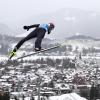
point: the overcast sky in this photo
(15, 10)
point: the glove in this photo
(26, 27)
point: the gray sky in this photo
(15, 10)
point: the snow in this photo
(27, 98)
(2, 69)
(18, 93)
(77, 33)
(52, 57)
(12, 71)
(34, 57)
(2, 58)
(70, 96)
(5, 76)
(78, 44)
(0, 46)
(5, 84)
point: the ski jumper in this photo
(39, 33)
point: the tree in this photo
(50, 62)
(66, 63)
(70, 48)
(76, 49)
(58, 61)
(84, 51)
(51, 84)
(92, 50)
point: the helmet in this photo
(51, 25)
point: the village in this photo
(70, 69)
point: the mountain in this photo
(82, 41)
(69, 21)
(82, 37)
(4, 29)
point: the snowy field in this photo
(70, 96)
(3, 58)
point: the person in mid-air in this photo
(38, 32)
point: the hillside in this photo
(6, 30)
(7, 43)
(84, 37)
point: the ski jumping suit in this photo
(39, 33)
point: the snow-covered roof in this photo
(70, 96)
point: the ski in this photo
(39, 52)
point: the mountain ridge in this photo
(85, 37)
(69, 21)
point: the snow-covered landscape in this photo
(70, 71)
(71, 68)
